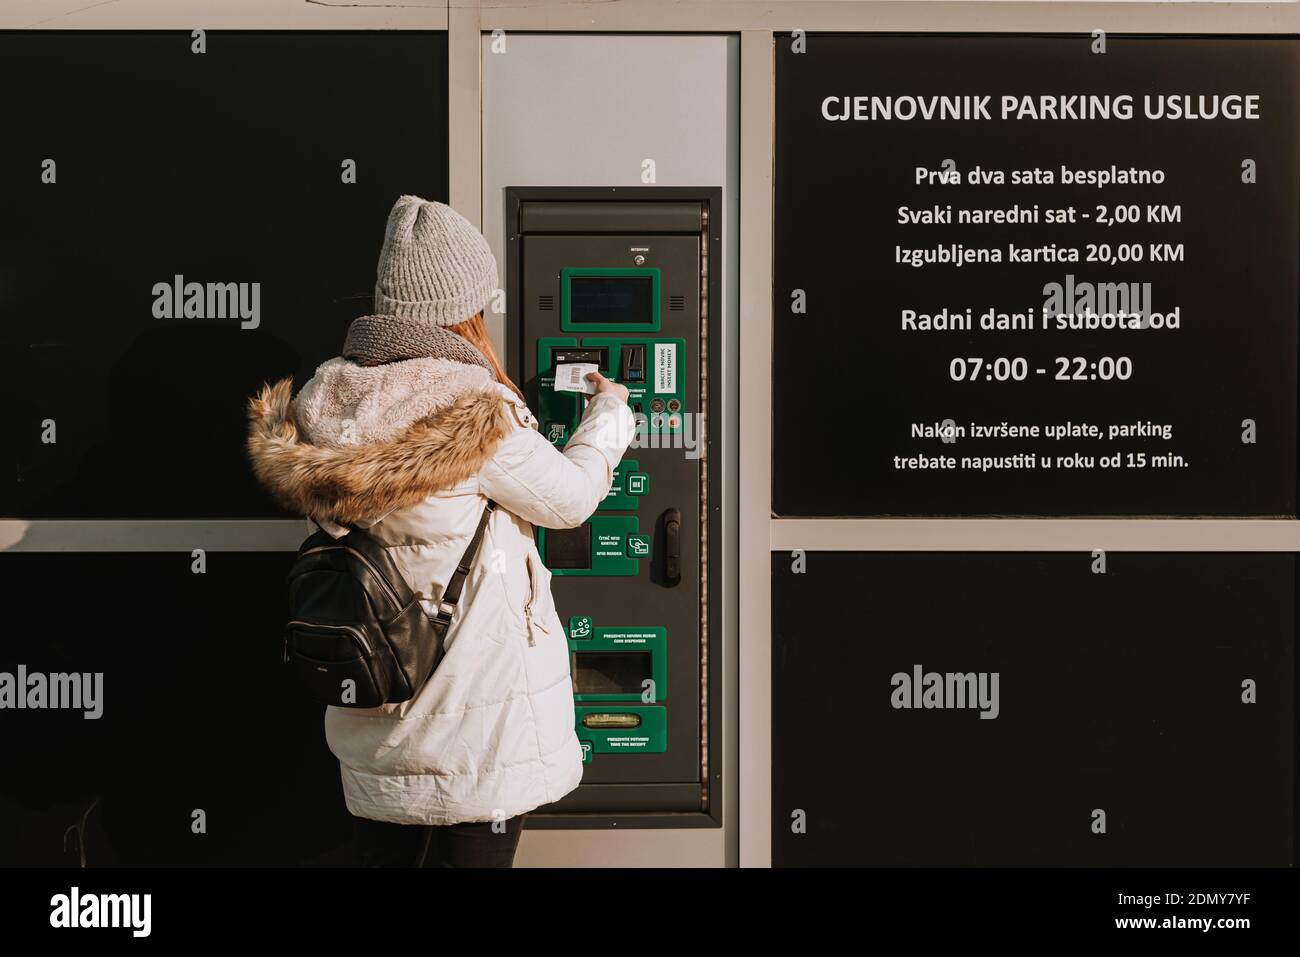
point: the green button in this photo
(556, 431)
(580, 626)
(638, 545)
(638, 483)
(587, 750)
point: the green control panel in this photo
(613, 665)
(602, 545)
(620, 729)
(650, 368)
(629, 485)
(618, 664)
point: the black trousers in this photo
(383, 844)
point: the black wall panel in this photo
(197, 714)
(220, 167)
(1119, 691)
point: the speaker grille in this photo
(676, 303)
(546, 303)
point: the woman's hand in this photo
(607, 387)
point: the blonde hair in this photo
(474, 331)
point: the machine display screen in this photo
(611, 300)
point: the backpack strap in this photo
(451, 594)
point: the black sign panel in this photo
(177, 227)
(1024, 709)
(1023, 275)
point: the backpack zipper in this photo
(365, 561)
(348, 628)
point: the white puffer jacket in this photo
(413, 450)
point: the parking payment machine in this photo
(626, 280)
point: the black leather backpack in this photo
(357, 634)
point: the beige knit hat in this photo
(435, 266)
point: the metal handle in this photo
(672, 520)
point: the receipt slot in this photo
(628, 281)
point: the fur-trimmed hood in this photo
(346, 475)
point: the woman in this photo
(408, 434)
